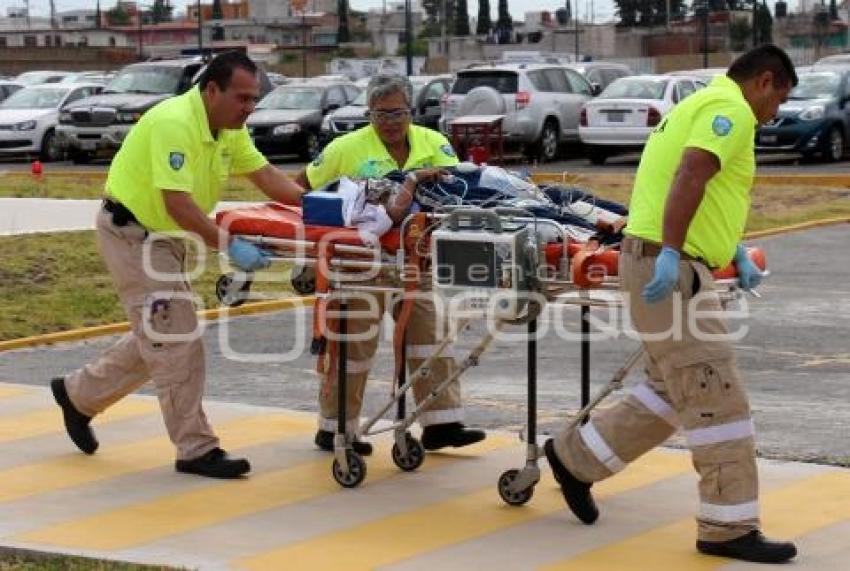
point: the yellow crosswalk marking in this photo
(77, 469)
(423, 530)
(49, 420)
(148, 521)
(12, 391)
(788, 512)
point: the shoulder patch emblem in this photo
(448, 151)
(318, 160)
(176, 160)
(721, 126)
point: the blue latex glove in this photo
(246, 256)
(749, 275)
(665, 278)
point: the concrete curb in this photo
(115, 328)
(796, 228)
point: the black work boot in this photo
(325, 441)
(214, 464)
(750, 547)
(455, 434)
(576, 493)
(76, 423)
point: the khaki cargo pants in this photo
(424, 333)
(693, 384)
(163, 345)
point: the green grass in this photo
(82, 185)
(19, 560)
(57, 282)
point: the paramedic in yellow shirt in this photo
(164, 182)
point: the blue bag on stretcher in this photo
(335, 205)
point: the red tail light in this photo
(653, 117)
(583, 117)
(523, 98)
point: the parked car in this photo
(602, 73)
(837, 59)
(102, 77)
(7, 88)
(288, 119)
(706, 74)
(540, 103)
(428, 90)
(622, 117)
(816, 118)
(28, 118)
(99, 124)
(36, 77)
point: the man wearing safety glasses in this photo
(390, 143)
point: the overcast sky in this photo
(601, 9)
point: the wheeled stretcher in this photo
(520, 275)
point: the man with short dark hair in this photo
(687, 215)
(162, 185)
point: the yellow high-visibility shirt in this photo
(172, 148)
(719, 120)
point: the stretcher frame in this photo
(515, 486)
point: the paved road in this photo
(795, 359)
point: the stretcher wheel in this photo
(513, 498)
(356, 470)
(303, 279)
(414, 457)
(232, 290)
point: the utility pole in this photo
(408, 35)
(443, 25)
(705, 34)
(755, 22)
(200, 32)
(575, 16)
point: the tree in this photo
(764, 25)
(646, 13)
(342, 34)
(833, 10)
(217, 12)
(504, 25)
(484, 21)
(461, 18)
(118, 16)
(162, 9)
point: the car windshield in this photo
(146, 79)
(501, 81)
(360, 99)
(635, 88)
(36, 77)
(292, 99)
(816, 86)
(34, 98)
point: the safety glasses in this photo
(389, 116)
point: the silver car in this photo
(541, 103)
(29, 117)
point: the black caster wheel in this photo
(356, 470)
(414, 457)
(303, 279)
(509, 497)
(232, 290)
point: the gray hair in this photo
(383, 85)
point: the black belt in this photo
(121, 215)
(645, 248)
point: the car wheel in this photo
(311, 146)
(51, 150)
(79, 157)
(834, 150)
(547, 146)
(597, 155)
